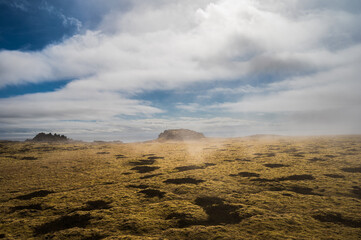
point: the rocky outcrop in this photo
(180, 135)
(43, 137)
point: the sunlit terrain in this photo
(261, 187)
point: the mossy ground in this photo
(245, 188)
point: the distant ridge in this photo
(180, 135)
(43, 137)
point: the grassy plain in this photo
(242, 188)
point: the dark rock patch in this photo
(108, 183)
(29, 158)
(2, 235)
(149, 193)
(330, 156)
(298, 155)
(144, 169)
(289, 178)
(296, 177)
(120, 156)
(183, 181)
(245, 174)
(209, 164)
(103, 152)
(183, 219)
(155, 158)
(270, 154)
(276, 189)
(218, 212)
(290, 150)
(147, 155)
(302, 190)
(41, 193)
(334, 175)
(95, 236)
(127, 173)
(263, 180)
(243, 159)
(316, 159)
(143, 162)
(95, 205)
(352, 170)
(188, 168)
(24, 150)
(357, 191)
(352, 150)
(150, 176)
(64, 222)
(275, 165)
(140, 186)
(348, 153)
(177, 216)
(337, 218)
(29, 207)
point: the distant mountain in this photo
(43, 137)
(180, 135)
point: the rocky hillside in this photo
(43, 137)
(180, 135)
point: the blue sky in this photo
(127, 70)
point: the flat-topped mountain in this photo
(43, 137)
(180, 135)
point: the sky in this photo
(129, 69)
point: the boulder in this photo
(180, 135)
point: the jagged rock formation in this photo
(43, 137)
(180, 135)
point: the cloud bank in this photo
(284, 66)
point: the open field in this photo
(244, 188)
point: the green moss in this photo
(312, 193)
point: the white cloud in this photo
(67, 20)
(22, 5)
(334, 89)
(323, 103)
(68, 104)
(160, 45)
(193, 107)
(173, 44)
